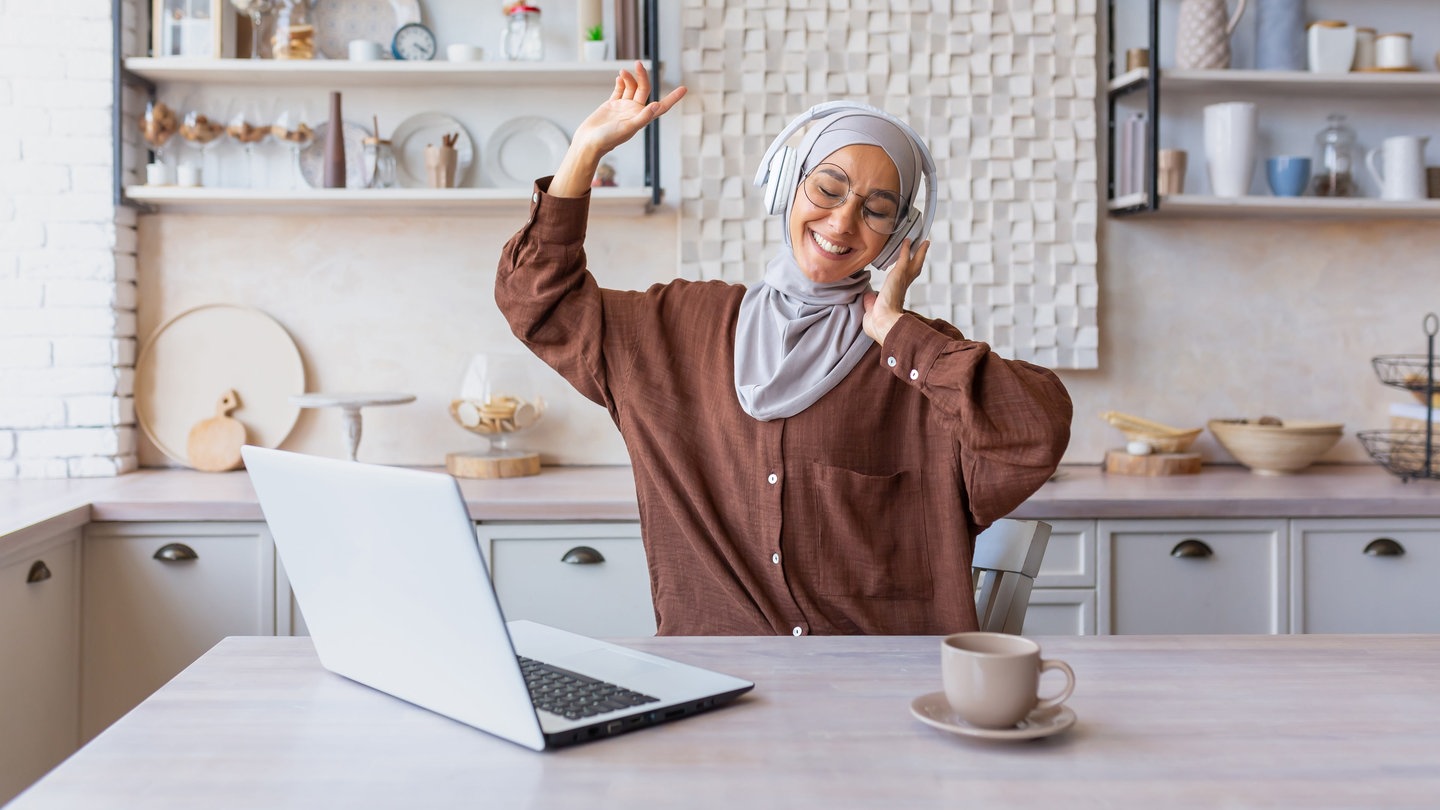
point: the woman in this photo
(809, 457)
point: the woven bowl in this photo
(1276, 449)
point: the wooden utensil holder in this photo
(440, 162)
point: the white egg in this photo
(1139, 448)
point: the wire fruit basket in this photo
(1408, 453)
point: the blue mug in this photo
(1288, 175)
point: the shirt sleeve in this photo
(1010, 419)
(552, 302)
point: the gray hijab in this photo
(796, 339)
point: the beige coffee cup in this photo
(1171, 165)
(992, 680)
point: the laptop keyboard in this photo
(573, 696)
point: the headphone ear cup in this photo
(781, 185)
(914, 223)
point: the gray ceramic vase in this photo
(1280, 35)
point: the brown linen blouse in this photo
(854, 516)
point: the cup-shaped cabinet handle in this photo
(1191, 549)
(176, 552)
(1383, 547)
(39, 572)
(583, 555)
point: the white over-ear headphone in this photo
(779, 174)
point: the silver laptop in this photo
(387, 570)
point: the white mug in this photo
(188, 175)
(158, 174)
(1230, 147)
(461, 52)
(1392, 51)
(364, 50)
(1403, 157)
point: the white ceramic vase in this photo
(1230, 147)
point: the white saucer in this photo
(934, 710)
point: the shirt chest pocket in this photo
(869, 538)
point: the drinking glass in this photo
(292, 128)
(258, 11)
(158, 126)
(248, 128)
(203, 132)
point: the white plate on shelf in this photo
(339, 21)
(188, 363)
(523, 149)
(414, 133)
(312, 157)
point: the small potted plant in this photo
(594, 46)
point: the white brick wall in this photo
(67, 263)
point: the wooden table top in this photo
(1164, 721)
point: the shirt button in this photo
(773, 478)
(797, 631)
(535, 198)
(914, 375)
(775, 558)
(890, 362)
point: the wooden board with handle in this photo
(214, 444)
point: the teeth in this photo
(828, 246)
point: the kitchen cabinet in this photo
(1063, 599)
(588, 578)
(157, 595)
(39, 658)
(1365, 576)
(1192, 576)
(1292, 109)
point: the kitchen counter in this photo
(33, 508)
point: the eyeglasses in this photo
(828, 186)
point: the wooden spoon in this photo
(214, 443)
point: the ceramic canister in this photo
(1330, 46)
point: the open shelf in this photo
(390, 202)
(1192, 205)
(1389, 84)
(386, 73)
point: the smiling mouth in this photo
(828, 246)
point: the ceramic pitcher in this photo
(1403, 159)
(1202, 38)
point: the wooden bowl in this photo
(1276, 449)
(1163, 438)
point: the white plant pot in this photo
(594, 50)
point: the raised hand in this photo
(614, 122)
(884, 309)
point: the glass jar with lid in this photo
(521, 39)
(1334, 165)
(379, 163)
(294, 36)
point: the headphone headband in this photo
(789, 170)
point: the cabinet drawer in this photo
(39, 660)
(1069, 560)
(1060, 612)
(606, 594)
(1207, 576)
(1338, 587)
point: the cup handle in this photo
(1051, 702)
(1370, 164)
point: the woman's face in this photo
(832, 243)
